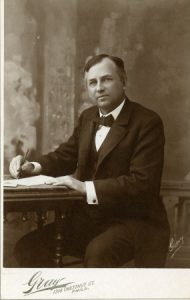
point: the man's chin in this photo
(104, 107)
(103, 101)
(102, 104)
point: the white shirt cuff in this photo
(37, 168)
(91, 193)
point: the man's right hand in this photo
(17, 169)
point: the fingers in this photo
(60, 184)
(72, 183)
(14, 167)
(26, 169)
(51, 181)
(63, 181)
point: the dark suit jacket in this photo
(129, 168)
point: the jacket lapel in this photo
(117, 132)
(87, 136)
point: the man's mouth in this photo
(102, 97)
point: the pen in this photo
(23, 161)
(24, 157)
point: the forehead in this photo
(105, 67)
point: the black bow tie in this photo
(105, 121)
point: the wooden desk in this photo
(41, 199)
(175, 194)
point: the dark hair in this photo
(93, 60)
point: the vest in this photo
(93, 211)
(92, 161)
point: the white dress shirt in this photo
(100, 136)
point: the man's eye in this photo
(107, 79)
(92, 83)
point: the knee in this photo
(96, 255)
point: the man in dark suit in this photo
(118, 151)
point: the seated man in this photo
(118, 151)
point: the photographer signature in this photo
(175, 245)
(38, 284)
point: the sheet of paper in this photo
(11, 183)
(30, 181)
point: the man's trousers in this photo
(100, 244)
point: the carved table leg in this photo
(41, 218)
(59, 217)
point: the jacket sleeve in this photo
(142, 181)
(63, 161)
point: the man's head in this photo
(105, 81)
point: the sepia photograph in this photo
(95, 106)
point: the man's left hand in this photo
(71, 183)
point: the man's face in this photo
(104, 85)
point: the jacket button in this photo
(94, 201)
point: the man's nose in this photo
(99, 86)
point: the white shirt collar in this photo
(114, 112)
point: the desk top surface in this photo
(166, 184)
(41, 187)
(35, 188)
(49, 191)
(41, 192)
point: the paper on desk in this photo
(12, 183)
(29, 181)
